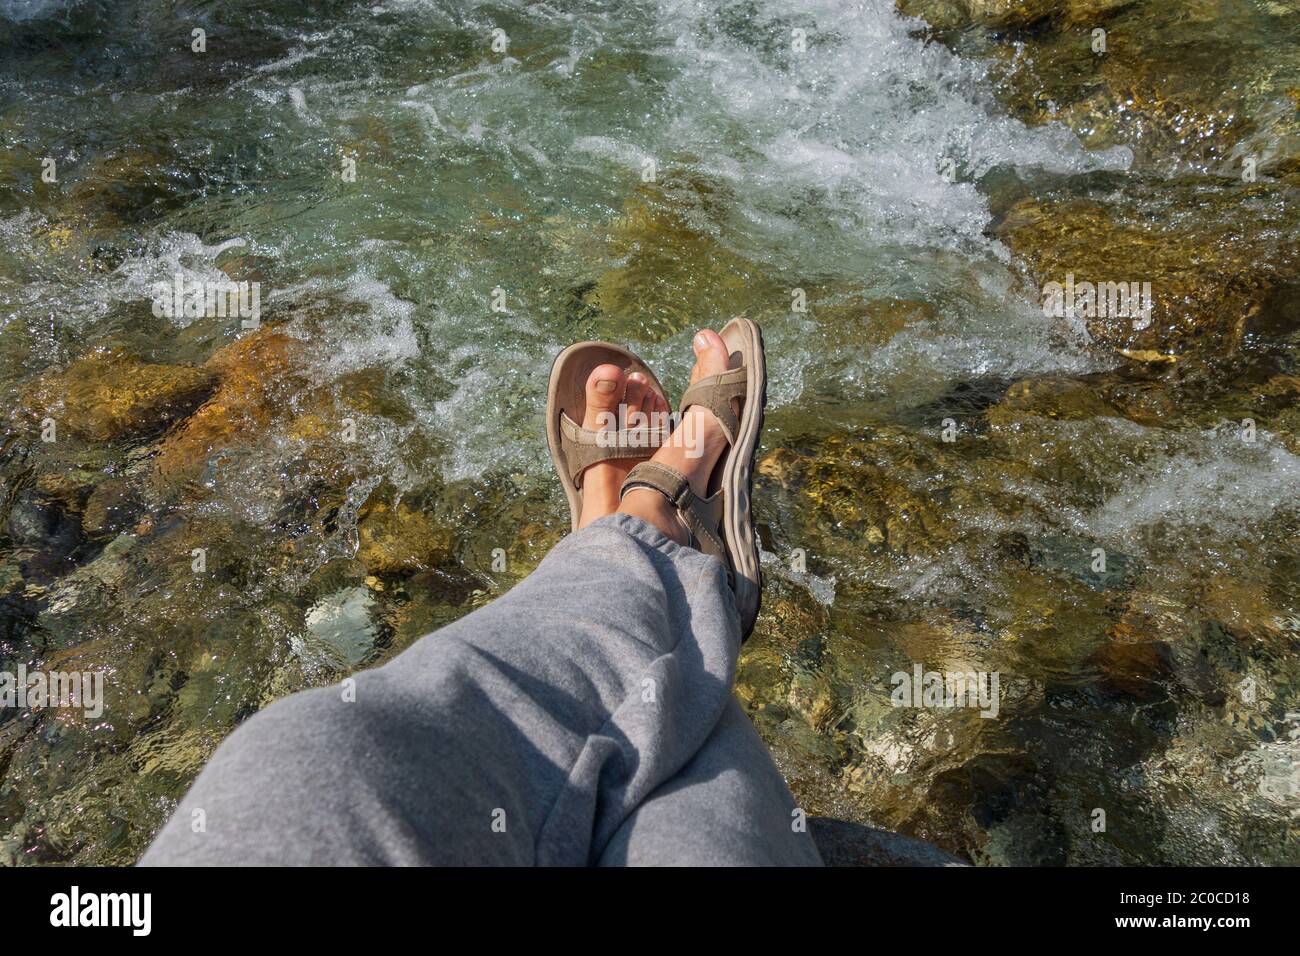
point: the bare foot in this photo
(694, 448)
(608, 388)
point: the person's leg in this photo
(524, 733)
(728, 807)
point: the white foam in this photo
(867, 115)
(1216, 480)
(390, 338)
(21, 11)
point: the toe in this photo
(656, 407)
(711, 355)
(638, 389)
(658, 404)
(605, 386)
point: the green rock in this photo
(1205, 276)
(672, 270)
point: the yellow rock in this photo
(1092, 12)
(1050, 397)
(811, 697)
(1205, 278)
(1243, 604)
(120, 186)
(256, 383)
(1148, 355)
(398, 537)
(110, 394)
(58, 236)
(778, 464)
(848, 489)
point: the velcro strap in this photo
(669, 482)
(715, 393)
(629, 438)
(584, 447)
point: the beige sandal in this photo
(574, 449)
(722, 524)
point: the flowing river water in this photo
(1100, 510)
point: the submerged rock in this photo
(11, 578)
(47, 529)
(1006, 14)
(844, 843)
(245, 268)
(398, 535)
(946, 15)
(70, 488)
(91, 587)
(256, 381)
(1163, 81)
(1092, 12)
(110, 508)
(128, 184)
(1161, 130)
(1051, 397)
(1140, 670)
(1211, 137)
(674, 268)
(942, 15)
(852, 487)
(109, 395)
(1205, 277)
(342, 622)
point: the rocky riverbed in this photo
(1099, 509)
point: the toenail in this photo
(606, 385)
(701, 341)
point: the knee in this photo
(310, 733)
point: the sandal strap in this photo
(701, 516)
(715, 393)
(584, 447)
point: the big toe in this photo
(711, 355)
(605, 387)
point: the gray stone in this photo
(844, 843)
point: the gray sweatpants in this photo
(585, 717)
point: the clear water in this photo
(523, 172)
